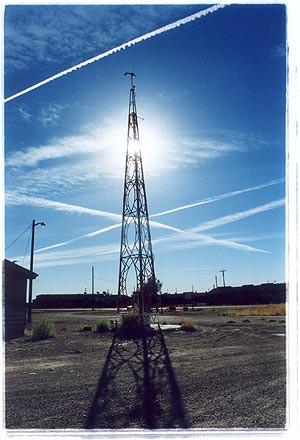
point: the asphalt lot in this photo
(229, 373)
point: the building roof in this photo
(10, 266)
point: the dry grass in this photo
(187, 326)
(258, 310)
(102, 326)
(42, 329)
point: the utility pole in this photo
(136, 248)
(223, 273)
(93, 287)
(216, 281)
(33, 226)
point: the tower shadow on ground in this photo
(137, 387)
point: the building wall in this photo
(15, 305)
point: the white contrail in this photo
(79, 255)
(23, 199)
(116, 49)
(13, 198)
(188, 234)
(219, 197)
(90, 234)
(238, 216)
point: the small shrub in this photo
(86, 328)
(230, 321)
(246, 320)
(188, 326)
(102, 326)
(42, 329)
(131, 327)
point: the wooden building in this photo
(14, 287)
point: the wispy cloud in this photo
(50, 114)
(99, 137)
(219, 197)
(24, 113)
(123, 46)
(96, 154)
(192, 150)
(83, 143)
(73, 256)
(55, 34)
(238, 216)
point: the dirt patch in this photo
(220, 376)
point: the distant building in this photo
(266, 293)
(239, 295)
(79, 300)
(15, 286)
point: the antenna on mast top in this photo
(132, 74)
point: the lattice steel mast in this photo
(136, 248)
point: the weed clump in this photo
(86, 328)
(102, 326)
(187, 326)
(42, 329)
(131, 327)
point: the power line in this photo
(17, 238)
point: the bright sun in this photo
(153, 143)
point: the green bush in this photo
(131, 327)
(102, 326)
(42, 329)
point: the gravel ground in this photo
(229, 373)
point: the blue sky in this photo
(212, 97)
